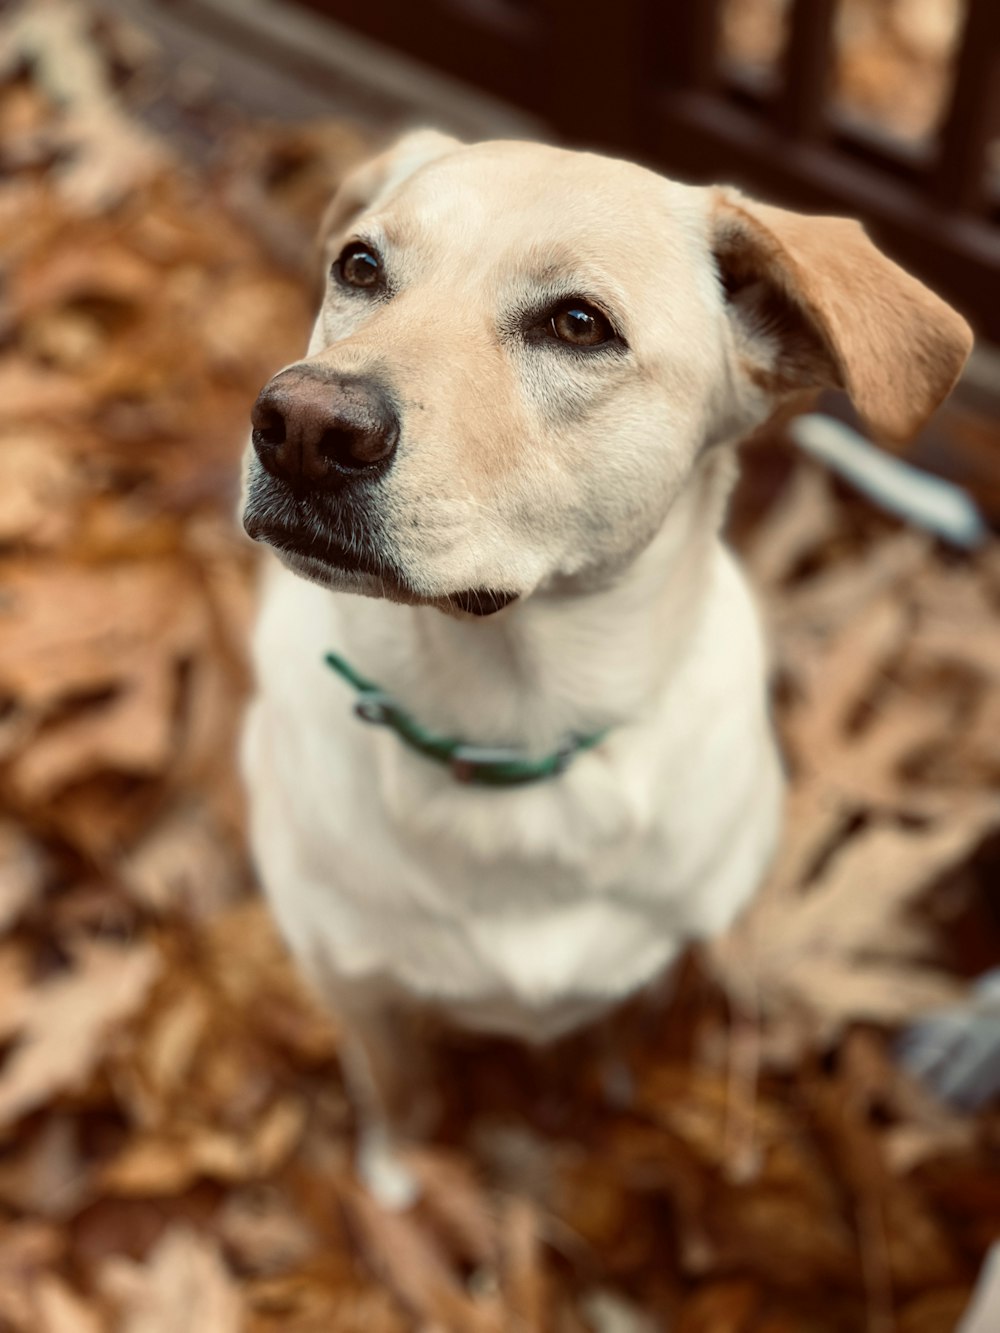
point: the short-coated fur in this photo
(589, 486)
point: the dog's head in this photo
(521, 352)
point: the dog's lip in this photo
(328, 551)
(481, 601)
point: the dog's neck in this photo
(558, 664)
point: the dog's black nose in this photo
(317, 430)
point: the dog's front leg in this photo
(384, 1059)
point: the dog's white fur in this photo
(595, 488)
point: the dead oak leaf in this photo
(522, 1272)
(75, 631)
(804, 517)
(854, 904)
(41, 488)
(823, 605)
(64, 271)
(47, 1174)
(106, 153)
(15, 990)
(64, 1030)
(837, 677)
(404, 1254)
(22, 873)
(131, 733)
(183, 1286)
(186, 861)
(170, 1162)
(60, 1310)
(844, 950)
(40, 394)
(28, 1250)
(93, 667)
(263, 1232)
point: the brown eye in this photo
(358, 266)
(580, 324)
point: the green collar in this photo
(484, 766)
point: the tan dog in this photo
(513, 433)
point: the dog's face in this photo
(521, 352)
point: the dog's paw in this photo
(385, 1174)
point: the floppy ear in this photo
(362, 187)
(814, 303)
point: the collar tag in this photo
(374, 708)
(468, 761)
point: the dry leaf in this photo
(27, 1252)
(22, 873)
(62, 1033)
(59, 1310)
(404, 1255)
(41, 489)
(112, 153)
(184, 1285)
(804, 517)
(49, 1176)
(844, 949)
(169, 1163)
(261, 1230)
(192, 1138)
(184, 862)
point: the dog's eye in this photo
(358, 266)
(578, 323)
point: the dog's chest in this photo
(525, 911)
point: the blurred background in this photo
(175, 1142)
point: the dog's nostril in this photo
(269, 427)
(351, 447)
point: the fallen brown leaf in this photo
(184, 1285)
(63, 1031)
(177, 1139)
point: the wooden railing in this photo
(648, 78)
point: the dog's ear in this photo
(363, 186)
(814, 303)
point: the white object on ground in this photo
(957, 1052)
(386, 1176)
(919, 497)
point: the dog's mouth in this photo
(326, 560)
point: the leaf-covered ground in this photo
(175, 1142)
